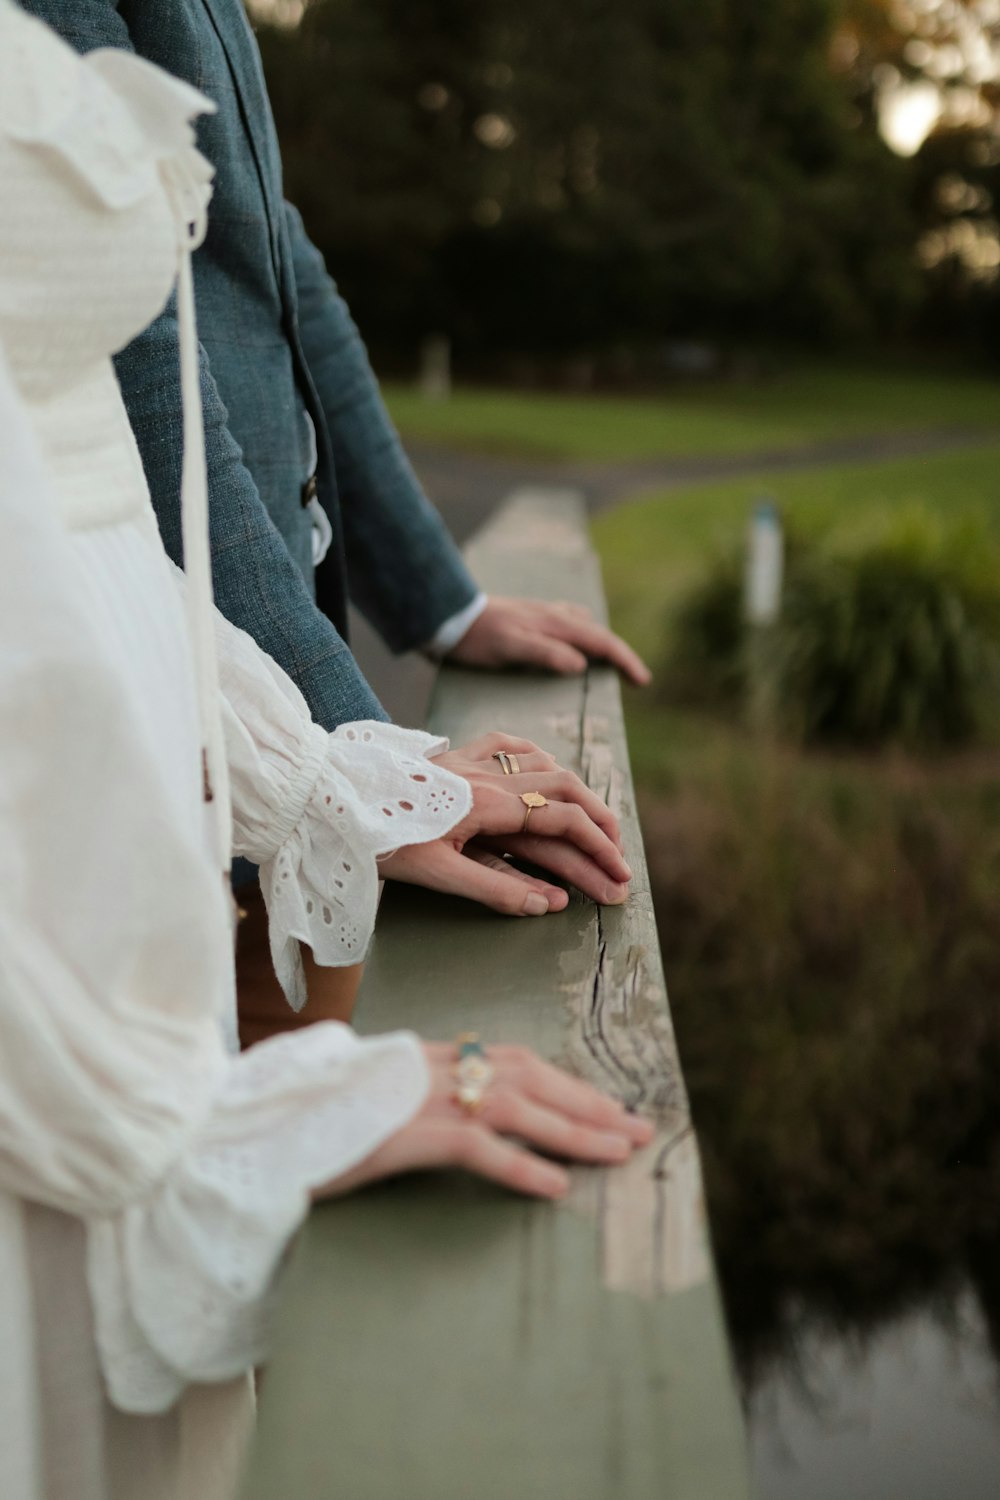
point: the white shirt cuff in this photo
(448, 635)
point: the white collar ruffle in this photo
(118, 123)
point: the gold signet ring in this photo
(531, 800)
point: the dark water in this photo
(909, 1410)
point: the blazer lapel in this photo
(232, 28)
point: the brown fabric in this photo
(88, 1449)
(263, 1009)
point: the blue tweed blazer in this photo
(277, 343)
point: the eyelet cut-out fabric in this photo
(315, 810)
(149, 1181)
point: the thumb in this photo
(481, 876)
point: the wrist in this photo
(449, 634)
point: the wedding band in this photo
(531, 800)
(473, 1073)
(509, 763)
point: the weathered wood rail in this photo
(440, 1339)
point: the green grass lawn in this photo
(653, 547)
(800, 407)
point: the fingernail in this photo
(618, 1146)
(615, 894)
(628, 870)
(535, 905)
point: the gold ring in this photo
(504, 759)
(472, 1071)
(531, 800)
(515, 764)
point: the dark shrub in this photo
(890, 637)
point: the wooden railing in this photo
(440, 1339)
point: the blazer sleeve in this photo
(406, 574)
(258, 585)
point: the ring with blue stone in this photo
(472, 1071)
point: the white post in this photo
(761, 608)
(435, 368)
(765, 565)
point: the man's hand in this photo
(556, 637)
(575, 837)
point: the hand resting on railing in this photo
(555, 636)
(573, 835)
(526, 1098)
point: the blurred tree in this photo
(537, 177)
(929, 69)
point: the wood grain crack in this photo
(650, 1213)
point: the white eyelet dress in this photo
(149, 1180)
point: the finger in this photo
(478, 1149)
(454, 1140)
(599, 642)
(500, 885)
(537, 762)
(493, 883)
(566, 862)
(567, 820)
(579, 611)
(554, 896)
(544, 649)
(499, 812)
(557, 1089)
(523, 1070)
(486, 745)
(564, 786)
(564, 1136)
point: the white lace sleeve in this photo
(316, 810)
(182, 1282)
(118, 1103)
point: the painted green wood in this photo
(440, 1339)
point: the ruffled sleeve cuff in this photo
(360, 793)
(182, 1281)
(316, 810)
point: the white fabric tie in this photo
(190, 201)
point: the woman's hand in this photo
(528, 1099)
(575, 837)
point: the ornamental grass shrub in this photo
(890, 634)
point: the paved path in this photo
(466, 487)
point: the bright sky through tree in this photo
(908, 114)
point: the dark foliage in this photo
(574, 178)
(832, 943)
